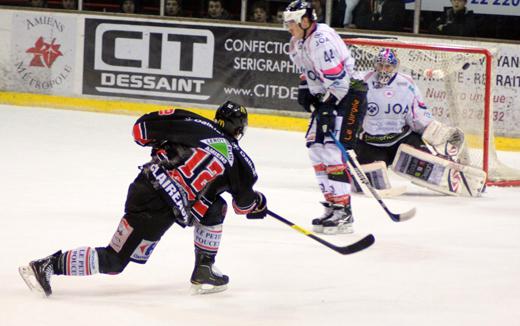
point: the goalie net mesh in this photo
(456, 85)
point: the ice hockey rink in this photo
(64, 180)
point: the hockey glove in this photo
(305, 98)
(358, 85)
(260, 210)
(326, 116)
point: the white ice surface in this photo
(64, 177)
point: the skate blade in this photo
(28, 277)
(317, 228)
(207, 288)
(343, 229)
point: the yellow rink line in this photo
(136, 108)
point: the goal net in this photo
(455, 83)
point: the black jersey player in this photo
(194, 160)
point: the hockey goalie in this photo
(399, 131)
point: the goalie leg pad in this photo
(377, 175)
(438, 174)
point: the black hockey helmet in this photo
(232, 119)
(298, 9)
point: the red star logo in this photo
(44, 53)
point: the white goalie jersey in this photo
(325, 61)
(394, 110)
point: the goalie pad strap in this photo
(438, 174)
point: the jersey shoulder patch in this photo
(220, 148)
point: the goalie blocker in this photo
(437, 173)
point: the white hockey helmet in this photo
(298, 9)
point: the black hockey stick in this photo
(360, 177)
(359, 245)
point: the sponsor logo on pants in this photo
(143, 251)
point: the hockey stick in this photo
(359, 245)
(361, 178)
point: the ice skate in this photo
(317, 223)
(38, 274)
(206, 278)
(340, 221)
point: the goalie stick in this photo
(363, 181)
(359, 245)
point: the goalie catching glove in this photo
(446, 141)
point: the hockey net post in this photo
(456, 83)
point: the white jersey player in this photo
(327, 86)
(325, 61)
(396, 115)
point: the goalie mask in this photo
(296, 10)
(232, 119)
(386, 65)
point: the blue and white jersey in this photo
(394, 110)
(324, 60)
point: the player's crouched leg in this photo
(110, 262)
